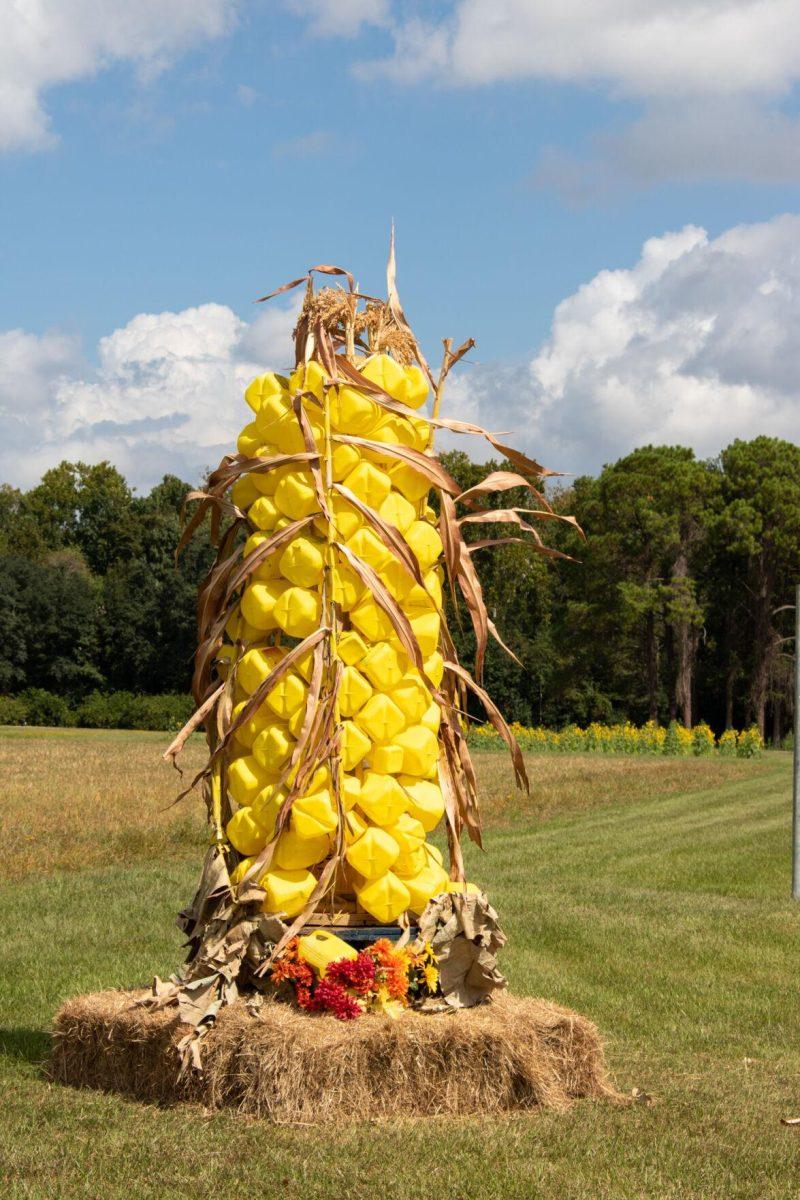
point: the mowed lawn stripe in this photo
(662, 839)
(636, 915)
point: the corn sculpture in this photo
(325, 675)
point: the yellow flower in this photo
(392, 1008)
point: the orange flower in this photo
(392, 968)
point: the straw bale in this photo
(289, 1066)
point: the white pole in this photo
(796, 754)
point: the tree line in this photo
(673, 603)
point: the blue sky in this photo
(203, 159)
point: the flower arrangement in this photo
(382, 978)
(625, 738)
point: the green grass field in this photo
(651, 894)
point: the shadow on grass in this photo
(27, 1045)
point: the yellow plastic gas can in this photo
(321, 948)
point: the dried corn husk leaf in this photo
(314, 458)
(195, 721)
(385, 600)
(431, 468)
(513, 516)
(323, 269)
(465, 936)
(391, 537)
(255, 701)
(397, 309)
(495, 481)
(497, 719)
(462, 569)
(273, 543)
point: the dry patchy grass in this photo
(83, 798)
(565, 783)
(77, 798)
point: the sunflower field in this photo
(650, 738)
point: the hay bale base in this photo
(288, 1066)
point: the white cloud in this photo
(49, 42)
(166, 395)
(718, 139)
(710, 78)
(697, 344)
(246, 95)
(340, 18)
(309, 145)
(31, 366)
(642, 47)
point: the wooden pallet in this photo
(342, 913)
(340, 919)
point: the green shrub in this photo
(574, 740)
(169, 713)
(12, 711)
(702, 740)
(44, 708)
(671, 744)
(125, 710)
(98, 710)
(101, 711)
(727, 742)
(749, 744)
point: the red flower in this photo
(358, 974)
(331, 997)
